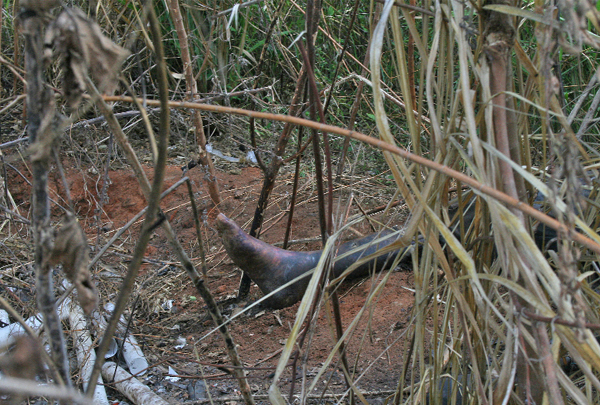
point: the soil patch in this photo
(171, 321)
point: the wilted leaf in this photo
(71, 250)
(84, 49)
(49, 129)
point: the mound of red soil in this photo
(169, 312)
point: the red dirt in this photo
(260, 335)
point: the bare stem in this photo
(192, 92)
(41, 110)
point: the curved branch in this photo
(476, 185)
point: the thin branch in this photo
(11, 385)
(153, 202)
(556, 320)
(378, 143)
(41, 112)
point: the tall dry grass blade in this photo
(275, 395)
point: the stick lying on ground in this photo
(271, 267)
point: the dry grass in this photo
(490, 102)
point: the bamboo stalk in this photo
(192, 92)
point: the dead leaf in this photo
(71, 250)
(83, 47)
(25, 360)
(49, 131)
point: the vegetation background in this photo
(464, 104)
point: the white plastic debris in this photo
(171, 377)
(86, 356)
(134, 357)
(10, 333)
(4, 317)
(220, 154)
(132, 353)
(251, 157)
(130, 386)
(180, 343)
(100, 323)
(168, 305)
(113, 348)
